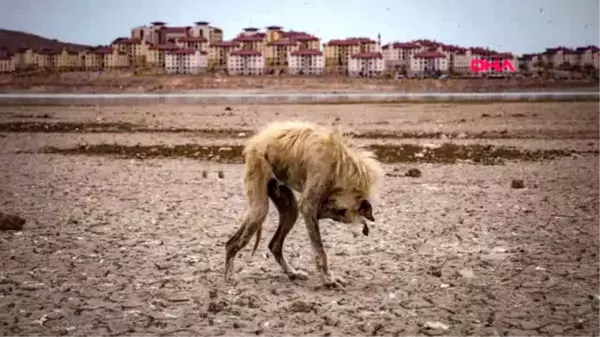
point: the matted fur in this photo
(337, 181)
(354, 167)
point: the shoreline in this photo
(162, 84)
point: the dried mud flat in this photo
(125, 234)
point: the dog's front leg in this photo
(314, 234)
(309, 207)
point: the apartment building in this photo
(159, 33)
(588, 56)
(91, 60)
(110, 58)
(366, 64)
(45, 58)
(68, 60)
(428, 62)
(560, 57)
(220, 51)
(306, 62)
(25, 58)
(397, 55)
(193, 42)
(252, 39)
(151, 34)
(278, 52)
(7, 63)
(338, 52)
(245, 62)
(279, 44)
(185, 61)
(155, 57)
(136, 49)
(305, 40)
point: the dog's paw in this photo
(298, 276)
(335, 282)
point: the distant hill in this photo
(14, 40)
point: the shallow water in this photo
(282, 97)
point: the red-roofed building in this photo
(219, 53)
(7, 63)
(135, 48)
(159, 33)
(193, 42)
(306, 62)
(185, 61)
(397, 55)
(366, 64)
(338, 52)
(45, 58)
(245, 62)
(428, 62)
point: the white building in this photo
(428, 61)
(7, 64)
(245, 62)
(306, 62)
(185, 61)
(366, 64)
(588, 56)
(398, 54)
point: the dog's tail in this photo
(272, 187)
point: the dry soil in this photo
(125, 233)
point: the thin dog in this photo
(336, 181)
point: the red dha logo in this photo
(478, 66)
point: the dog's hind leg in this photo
(287, 206)
(256, 176)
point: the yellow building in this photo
(45, 59)
(338, 52)
(68, 60)
(25, 59)
(281, 44)
(7, 64)
(252, 39)
(92, 60)
(110, 58)
(135, 49)
(219, 53)
(277, 52)
(156, 55)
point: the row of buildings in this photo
(194, 49)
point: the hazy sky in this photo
(519, 26)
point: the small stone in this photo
(466, 273)
(435, 271)
(215, 307)
(301, 306)
(436, 325)
(517, 183)
(11, 222)
(414, 173)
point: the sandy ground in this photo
(127, 82)
(129, 246)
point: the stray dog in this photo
(335, 180)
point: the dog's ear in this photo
(365, 209)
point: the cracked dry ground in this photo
(124, 246)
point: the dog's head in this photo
(346, 207)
